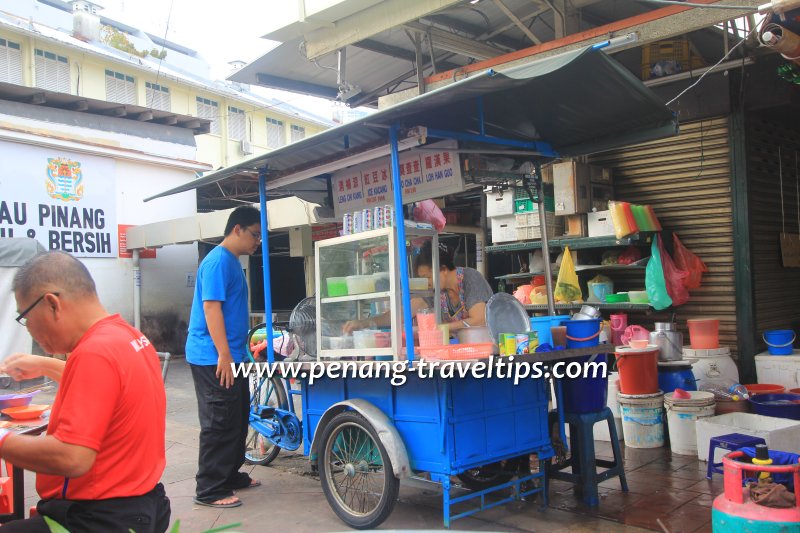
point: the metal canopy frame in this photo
(543, 110)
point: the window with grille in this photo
(276, 136)
(10, 62)
(52, 71)
(209, 110)
(298, 132)
(157, 96)
(120, 88)
(236, 124)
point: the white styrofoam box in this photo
(504, 229)
(780, 434)
(499, 203)
(600, 223)
(779, 369)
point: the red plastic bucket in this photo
(764, 388)
(638, 370)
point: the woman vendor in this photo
(464, 292)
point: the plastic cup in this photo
(426, 320)
(559, 334)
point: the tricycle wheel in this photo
(258, 449)
(487, 476)
(356, 472)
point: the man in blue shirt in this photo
(218, 327)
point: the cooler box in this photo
(779, 433)
(779, 369)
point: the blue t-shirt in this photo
(219, 278)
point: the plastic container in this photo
(638, 370)
(764, 388)
(418, 284)
(16, 400)
(638, 297)
(364, 339)
(584, 394)
(541, 325)
(779, 433)
(382, 282)
(780, 341)
(25, 412)
(724, 407)
(703, 333)
(638, 344)
(712, 366)
(794, 391)
(642, 419)
(682, 416)
(676, 376)
(383, 339)
(457, 352)
(426, 320)
(336, 287)
(338, 343)
(360, 284)
(430, 337)
(620, 297)
(777, 405)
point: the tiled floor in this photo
(665, 492)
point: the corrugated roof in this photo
(579, 102)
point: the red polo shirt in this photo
(110, 399)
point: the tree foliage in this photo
(119, 40)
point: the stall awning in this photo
(579, 102)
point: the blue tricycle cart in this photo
(365, 435)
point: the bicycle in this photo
(274, 424)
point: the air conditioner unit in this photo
(246, 147)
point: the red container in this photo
(795, 391)
(638, 370)
(764, 388)
(704, 333)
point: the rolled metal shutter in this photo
(687, 180)
(777, 289)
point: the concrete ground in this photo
(291, 498)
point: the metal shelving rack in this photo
(574, 243)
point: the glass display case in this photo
(358, 279)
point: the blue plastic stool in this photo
(730, 442)
(583, 461)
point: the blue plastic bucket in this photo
(671, 378)
(779, 341)
(584, 394)
(541, 325)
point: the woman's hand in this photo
(352, 325)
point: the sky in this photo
(224, 32)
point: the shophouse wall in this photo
(136, 160)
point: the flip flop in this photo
(246, 482)
(237, 503)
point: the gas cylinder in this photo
(734, 512)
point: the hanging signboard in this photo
(425, 173)
(64, 200)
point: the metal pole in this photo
(548, 275)
(262, 195)
(400, 231)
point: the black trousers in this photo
(148, 513)
(224, 417)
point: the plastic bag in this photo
(523, 294)
(567, 289)
(688, 261)
(654, 281)
(428, 211)
(630, 255)
(674, 278)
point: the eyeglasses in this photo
(256, 235)
(21, 317)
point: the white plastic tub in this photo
(360, 284)
(780, 433)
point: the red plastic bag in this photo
(688, 261)
(674, 278)
(629, 256)
(428, 211)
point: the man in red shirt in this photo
(98, 467)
